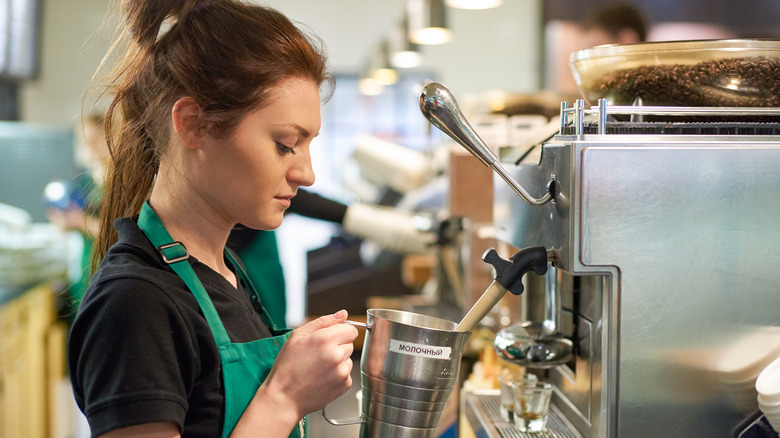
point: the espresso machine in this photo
(666, 243)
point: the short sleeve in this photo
(133, 357)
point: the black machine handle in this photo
(509, 273)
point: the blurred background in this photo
(509, 54)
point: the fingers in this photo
(323, 322)
(340, 334)
(329, 336)
(343, 368)
(330, 328)
(347, 350)
(317, 360)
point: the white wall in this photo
(73, 41)
(492, 49)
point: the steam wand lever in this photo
(509, 276)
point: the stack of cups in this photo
(739, 365)
(768, 388)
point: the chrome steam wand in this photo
(441, 109)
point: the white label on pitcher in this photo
(420, 350)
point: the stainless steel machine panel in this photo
(676, 239)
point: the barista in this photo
(81, 216)
(214, 109)
(615, 23)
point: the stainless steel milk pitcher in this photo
(408, 369)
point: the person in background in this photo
(215, 105)
(81, 216)
(388, 227)
(613, 23)
(618, 23)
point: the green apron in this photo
(244, 365)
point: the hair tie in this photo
(203, 4)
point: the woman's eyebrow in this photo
(301, 130)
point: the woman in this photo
(211, 122)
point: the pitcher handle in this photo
(341, 422)
(357, 324)
(346, 421)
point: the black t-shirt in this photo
(140, 349)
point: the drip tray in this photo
(484, 416)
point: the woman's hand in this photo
(312, 369)
(315, 365)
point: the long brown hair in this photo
(224, 53)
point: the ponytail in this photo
(224, 53)
(145, 18)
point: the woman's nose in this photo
(302, 172)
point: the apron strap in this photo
(175, 254)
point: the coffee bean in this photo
(732, 82)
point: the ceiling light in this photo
(404, 53)
(474, 4)
(380, 66)
(406, 59)
(428, 22)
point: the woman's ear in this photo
(188, 122)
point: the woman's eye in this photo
(284, 150)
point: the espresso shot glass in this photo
(531, 405)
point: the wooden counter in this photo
(32, 364)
